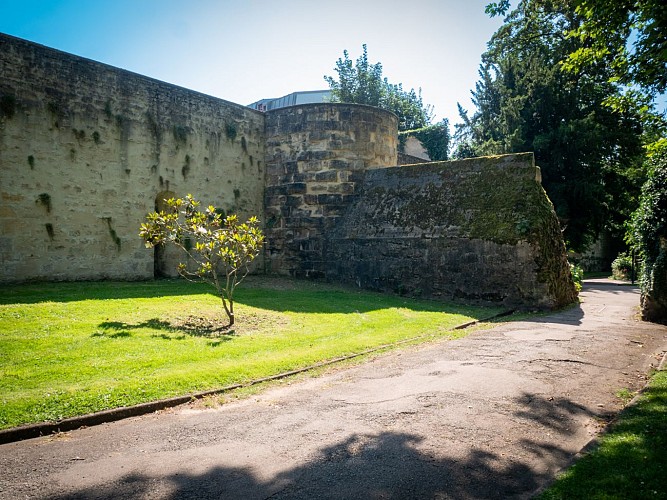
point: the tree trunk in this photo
(229, 310)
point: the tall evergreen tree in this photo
(588, 152)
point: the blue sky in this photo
(245, 50)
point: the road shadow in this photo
(554, 414)
(630, 461)
(573, 314)
(387, 465)
(611, 288)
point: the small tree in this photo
(219, 248)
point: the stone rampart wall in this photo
(315, 156)
(87, 150)
(479, 230)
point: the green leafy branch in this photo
(223, 247)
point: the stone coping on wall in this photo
(33, 46)
(324, 104)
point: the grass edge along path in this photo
(102, 417)
(629, 459)
(82, 327)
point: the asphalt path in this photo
(493, 415)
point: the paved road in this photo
(493, 415)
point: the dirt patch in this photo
(210, 325)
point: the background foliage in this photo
(362, 82)
(590, 153)
(434, 138)
(649, 232)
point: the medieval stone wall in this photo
(315, 156)
(87, 150)
(479, 230)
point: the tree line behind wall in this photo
(576, 82)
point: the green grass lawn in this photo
(631, 461)
(68, 349)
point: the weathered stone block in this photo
(296, 188)
(341, 188)
(274, 201)
(290, 167)
(329, 199)
(310, 199)
(317, 188)
(327, 176)
(280, 190)
(340, 164)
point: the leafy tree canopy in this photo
(629, 36)
(362, 82)
(435, 138)
(218, 249)
(589, 152)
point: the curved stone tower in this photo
(316, 155)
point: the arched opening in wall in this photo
(160, 260)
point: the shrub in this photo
(577, 276)
(621, 267)
(649, 232)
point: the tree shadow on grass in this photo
(33, 293)
(118, 335)
(338, 300)
(272, 293)
(176, 330)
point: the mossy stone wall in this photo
(87, 150)
(478, 230)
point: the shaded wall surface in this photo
(479, 230)
(87, 150)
